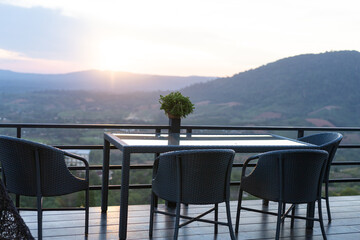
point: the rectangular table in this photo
(159, 143)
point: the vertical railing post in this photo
(188, 132)
(156, 155)
(18, 135)
(300, 133)
(18, 132)
(158, 131)
(105, 176)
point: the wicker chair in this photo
(328, 142)
(286, 176)
(38, 170)
(193, 177)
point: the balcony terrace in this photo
(70, 225)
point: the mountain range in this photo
(94, 80)
(304, 90)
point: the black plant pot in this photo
(174, 124)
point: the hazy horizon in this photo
(187, 38)
(107, 71)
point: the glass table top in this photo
(206, 140)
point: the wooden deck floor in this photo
(70, 224)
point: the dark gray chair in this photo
(329, 142)
(193, 177)
(38, 170)
(286, 176)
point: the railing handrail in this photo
(154, 126)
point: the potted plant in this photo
(176, 106)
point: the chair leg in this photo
(155, 201)
(177, 220)
(278, 221)
(292, 216)
(238, 211)
(87, 212)
(283, 211)
(228, 214)
(327, 201)
(152, 205)
(321, 220)
(216, 219)
(17, 202)
(39, 216)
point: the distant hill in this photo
(305, 90)
(94, 80)
(310, 89)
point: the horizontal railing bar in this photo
(149, 166)
(142, 186)
(346, 163)
(100, 147)
(186, 127)
(131, 186)
(53, 209)
(344, 180)
(91, 147)
(241, 164)
(220, 127)
(349, 146)
(116, 167)
(93, 126)
(233, 183)
(138, 166)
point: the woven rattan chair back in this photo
(38, 170)
(195, 168)
(193, 177)
(285, 176)
(329, 142)
(292, 175)
(18, 158)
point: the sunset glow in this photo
(112, 55)
(212, 38)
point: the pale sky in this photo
(188, 37)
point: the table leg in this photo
(105, 177)
(170, 204)
(124, 198)
(156, 155)
(310, 213)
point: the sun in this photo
(112, 55)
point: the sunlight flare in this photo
(112, 55)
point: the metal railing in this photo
(300, 131)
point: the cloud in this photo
(17, 61)
(9, 55)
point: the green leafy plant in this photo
(176, 105)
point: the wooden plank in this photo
(70, 224)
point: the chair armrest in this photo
(155, 167)
(246, 163)
(77, 157)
